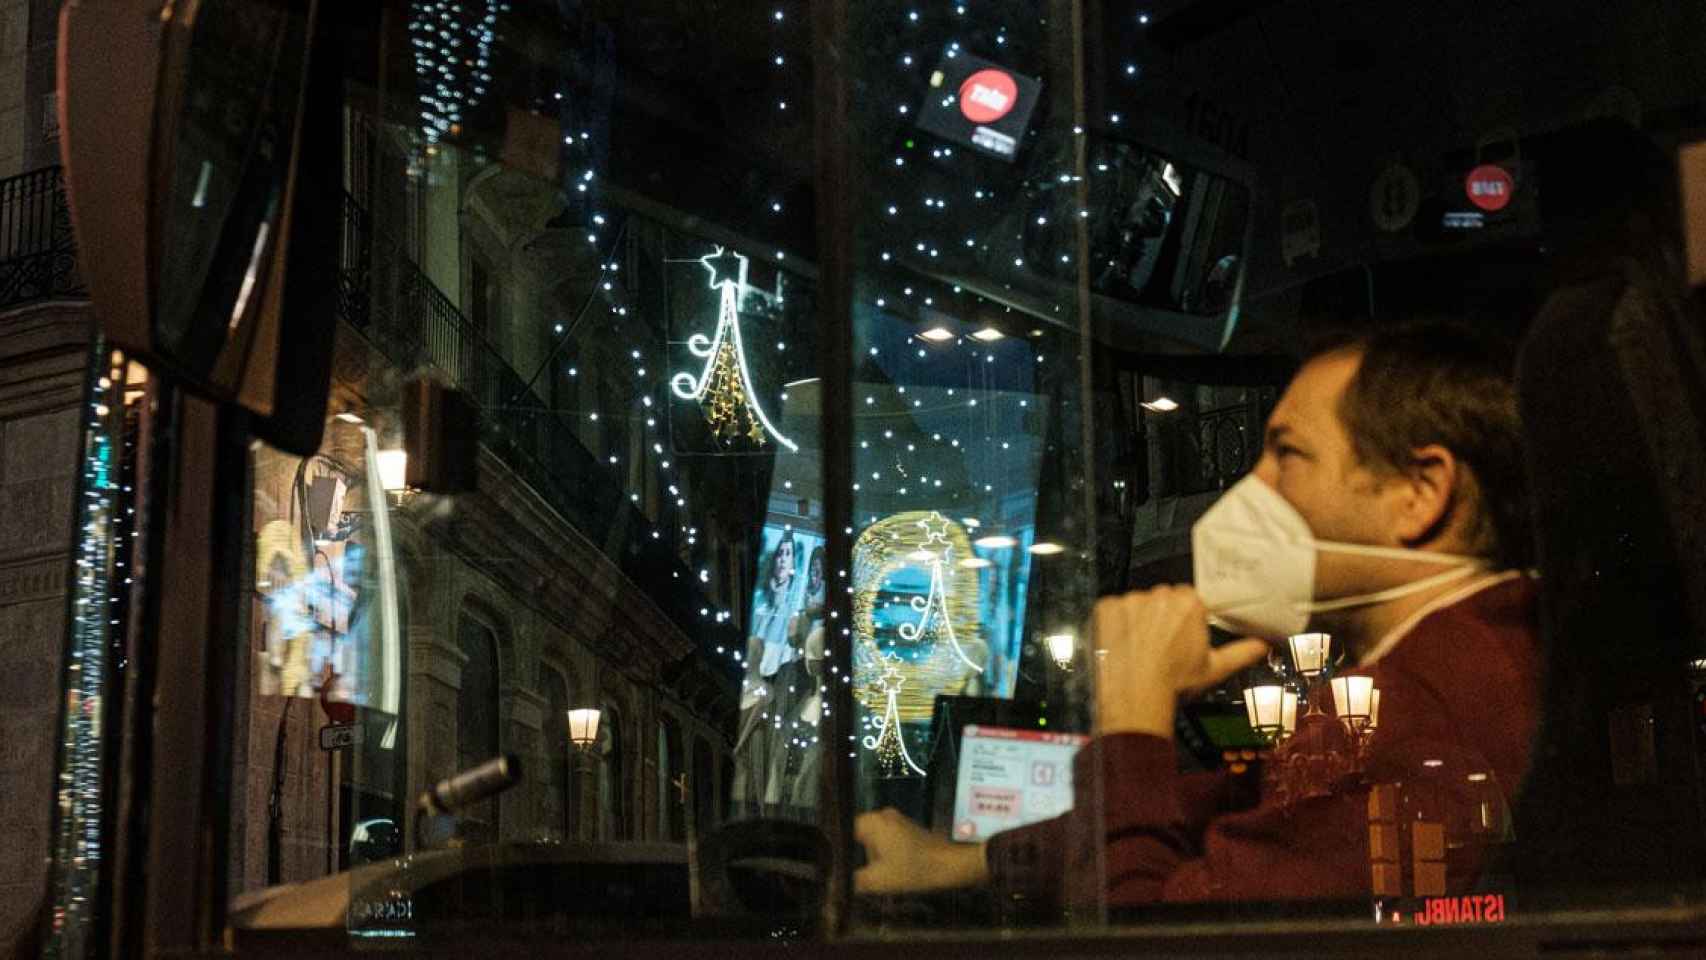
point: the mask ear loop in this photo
(1393, 593)
(1398, 553)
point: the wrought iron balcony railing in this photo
(383, 293)
(38, 254)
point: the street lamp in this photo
(583, 729)
(1060, 648)
(1353, 701)
(1265, 707)
(1309, 653)
(394, 470)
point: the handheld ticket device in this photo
(1009, 777)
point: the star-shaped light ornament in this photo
(725, 267)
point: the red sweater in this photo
(1458, 713)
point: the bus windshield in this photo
(806, 471)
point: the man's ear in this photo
(1429, 492)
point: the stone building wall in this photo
(43, 358)
(550, 598)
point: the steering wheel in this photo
(763, 867)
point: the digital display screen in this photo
(1008, 778)
(979, 103)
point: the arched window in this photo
(612, 787)
(558, 808)
(477, 719)
(672, 816)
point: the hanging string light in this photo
(452, 41)
(99, 590)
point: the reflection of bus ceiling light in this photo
(976, 563)
(347, 417)
(996, 542)
(937, 335)
(970, 523)
(393, 470)
(988, 335)
(1060, 647)
(1161, 405)
(1047, 548)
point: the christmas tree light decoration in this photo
(893, 760)
(724, 387)
(937, 552)
(885, 583)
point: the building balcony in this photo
(408, 320)
(38, 254)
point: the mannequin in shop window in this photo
(803, 751)
(774, 683)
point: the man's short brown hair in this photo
(1439, 382)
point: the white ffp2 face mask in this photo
(1254, 562)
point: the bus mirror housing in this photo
(201, 164)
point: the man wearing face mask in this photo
(1388, 509)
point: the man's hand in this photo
(1157, 650)
(902, 857)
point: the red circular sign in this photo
(1490, 187)
(987, 96)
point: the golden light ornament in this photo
(940, 633)
(893, 759)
